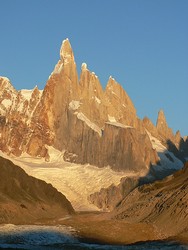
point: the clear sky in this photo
(143, 44)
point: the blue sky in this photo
(143, 44)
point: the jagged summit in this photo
(84, 66)
(4, 78)
(162, 126)
(111, 82)
(66, 53)
(5, 82)
(161, 120)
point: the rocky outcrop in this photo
(109, 198)
(161, 202)
(26, 199)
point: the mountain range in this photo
(89, 129)
(76, 116)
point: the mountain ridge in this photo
(75, 115)
(25, 199)
(158, 203)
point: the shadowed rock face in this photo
(26, 199)
(164, 203)
(118, 147)
(109, 198)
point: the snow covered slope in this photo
(78, 181)
(75, 181)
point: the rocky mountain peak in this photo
(5, 83)
(161, 124)
(162, 127)
(178, 139)
(36, 88)
(178, 135)
(8, 95)
(161, 120)
(84, 66)
(111, 84)
(150, 127)
(118, 96)
(66, 53)
(89, 82)
(36, 91)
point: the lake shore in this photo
(96, 227)
(99, 228)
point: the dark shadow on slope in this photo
(179, 153)
(183, 147)
(111, 197)
(157, 172)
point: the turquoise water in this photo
(61, 237)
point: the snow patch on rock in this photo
(97, 100)
(74, 105)
(6, 103)
(26, 93)
(84, 66)
(167, 158)
(111, 118)
(89, 123)
(112, 121)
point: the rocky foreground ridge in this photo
(151, 212)
(25, 199)
(162, 203)
(77, 116)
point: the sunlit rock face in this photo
(16, 111)
(77, 116)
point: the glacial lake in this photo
(61, 237)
